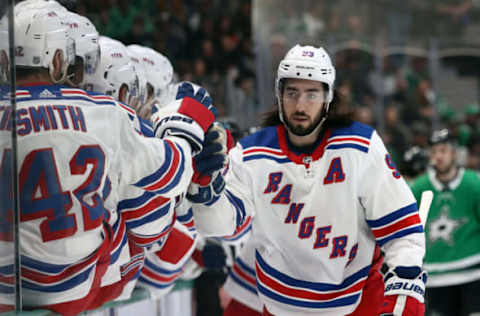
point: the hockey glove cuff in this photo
(209, 168)
(189, 116)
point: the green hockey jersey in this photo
(452, 229)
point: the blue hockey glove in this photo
(214, 257)
(207, 182)
(189, 116)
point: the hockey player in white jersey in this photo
(324, 193)
(70, 165)
(116, 75)
(87, 48)
(142, 79)
(159, 78)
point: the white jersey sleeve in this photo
(391, 209)
(166, 167)
(235, 205)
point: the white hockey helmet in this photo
(305, 62)
(86, 42)
(39, 34)
(159, 71)
(114, 70)
(142, 76)
(39, 4)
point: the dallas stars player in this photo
(452, 230)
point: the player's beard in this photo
(299, 129)
(443, 171)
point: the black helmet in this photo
(414, 162)
(441, 136)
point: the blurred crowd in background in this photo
(213, 43)
(208, 41)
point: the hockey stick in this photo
(425, 203)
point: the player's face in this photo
(442, 157)
(303, 101)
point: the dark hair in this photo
(23, 72)
(340, 113)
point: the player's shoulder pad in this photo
(355, 136)
(354, 129)
(471, 174)
(265, 137)
(62, 92)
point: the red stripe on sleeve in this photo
(170, 173)
(406, 222)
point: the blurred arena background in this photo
(406, 67)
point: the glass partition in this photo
(7, 198)
(419, 54)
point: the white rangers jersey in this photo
(76, 149)
(241, 281)
(318, 216)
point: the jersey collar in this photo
(35, 84)
(452, 185)
(291, 152)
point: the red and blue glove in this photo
(209, 167)
(188, 117)
(404, 292)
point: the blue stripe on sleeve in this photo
(239, 207)
(187, 217)
(155, 284)
(242, 283)
(161, 171)
(7, 270)
(135, 202)
(114, 256)
(59, 287)
(178, 176)
(157, 269)
(411, 230)
(245, 267)
(158, 213)
(43, 266)
(393, 216)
